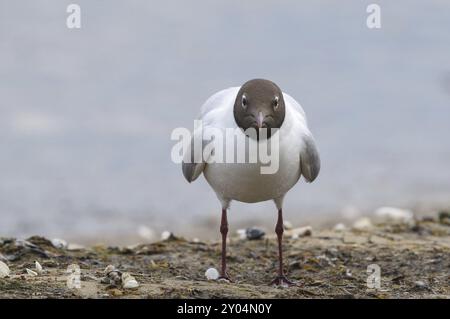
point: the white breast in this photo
(245, 183)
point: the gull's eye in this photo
(244, 101)
(275, 103)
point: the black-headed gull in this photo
(257, 104)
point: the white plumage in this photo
(244, 181)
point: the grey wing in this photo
(309, 159)
(193, 164)
(192, 171)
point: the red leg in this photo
(279, 229)
(224, 232)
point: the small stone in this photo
(115, 292)
(59, 243)
(340, 227)
(109, 269)
(300, 232)
(212, 274)
(348, 273)
(4, 270)
(254, 233)
(31, 272)
(364, 223)
(128, 281)
(421, 284)
(112, 276)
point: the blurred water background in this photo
(86, 115)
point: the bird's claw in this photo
(225, 278)
(283, 282)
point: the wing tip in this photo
(187, 175)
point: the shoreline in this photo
(413, 259)
(206, 227)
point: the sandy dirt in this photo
(414, 262)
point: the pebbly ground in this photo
(414, 262)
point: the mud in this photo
(414, 262)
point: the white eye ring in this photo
(275, 103)
(244, 101)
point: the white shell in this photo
(166, 235)
(363, 223)
(130, 284)
(395, 215)
(212, 274)
(339, 227)
(59, 243)
(31, 272)
(128, 281)
(287, 225)
(4, 270)
(300, 232)
(108, 269)
(38, 267)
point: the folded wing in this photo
(194, 161)
(309, 159)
